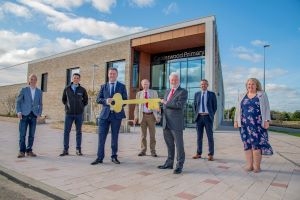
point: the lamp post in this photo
(93, 92)
(94, 66)
(265, 46)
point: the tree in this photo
(9, 104)
(296, 115)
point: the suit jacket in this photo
(104, 94)
(211, 104)
(138, 111)
(25, 104)
(173, 110)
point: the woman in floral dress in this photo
(252, 117)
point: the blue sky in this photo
(31, 29)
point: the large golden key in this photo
(118, 102)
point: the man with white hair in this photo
(174, 103)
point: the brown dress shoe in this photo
(210, 158)
(196, 156)
(21, 155)
(31, 154)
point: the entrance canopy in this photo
(174, 40)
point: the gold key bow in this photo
(118, 102)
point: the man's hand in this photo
(19, 115)
(135, 121)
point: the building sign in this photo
(162, 58)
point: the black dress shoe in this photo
(177, 171)
(78, 152)
(164, 167)
(153, 154)
(97, 161)
(142, 154)
(115, 160)
(64, 153)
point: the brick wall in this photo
(56, 68)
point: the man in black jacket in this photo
(74, 98)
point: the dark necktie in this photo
(146, 97)
(202, 102)
(112, 89)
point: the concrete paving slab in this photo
(72, 177)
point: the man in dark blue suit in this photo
(29, 106)
(109, 118)
(205, 107)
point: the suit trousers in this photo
(104, 125)
(201, 122)
(78, 120)
(174, 139)
(148, 122)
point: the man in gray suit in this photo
(28, 106)
(174, 103)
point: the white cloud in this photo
(60, 21)
(14, 75)
(11, 39)
(142, 3)
(104, 5)
(68, 44)
(67, 4)
(23, 47)
(246, 54)
(172, 8)
(15, 9)
(16, 47)
(259, 43)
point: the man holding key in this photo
(108, 117)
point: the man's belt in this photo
(149, 113)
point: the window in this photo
(70, 73)
(120, 65)
(135, 70)
(44, 82)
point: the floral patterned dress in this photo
(253, 135)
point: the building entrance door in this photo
(191, 71)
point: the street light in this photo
(265, 46)
(94, 66)
(93, 92)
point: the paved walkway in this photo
(72, 177)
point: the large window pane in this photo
(158, 79)
(120, 65)
(70, 73)
(44, 82)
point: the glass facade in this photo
(191, 70)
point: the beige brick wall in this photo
(56, 69)
(6, 92)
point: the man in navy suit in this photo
(28, 106)
(109, 118)
(205, 107)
